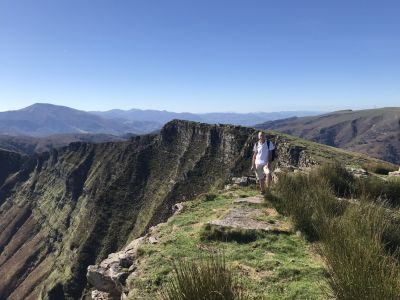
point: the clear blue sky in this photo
(200, 56)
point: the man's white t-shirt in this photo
(262, 152)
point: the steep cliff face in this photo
(10, 162)
(69, 208)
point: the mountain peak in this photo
(47, 107)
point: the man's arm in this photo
(253, 161)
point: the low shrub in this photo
(205, 279)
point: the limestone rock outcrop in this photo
(109, 276)
(395, 173)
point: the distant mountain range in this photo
(375, 132)
(42, 119)
(47, 119)
(41, 127)
(162, 117)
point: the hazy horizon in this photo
(191, 112)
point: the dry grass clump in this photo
(341, 181)
(304, 198)
(205, 279)
(357, 261)
(379, 190)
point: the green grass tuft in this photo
(341, 181)
(208, 197)
(208, 278)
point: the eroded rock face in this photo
(10, 162)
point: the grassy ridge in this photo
(273, 266)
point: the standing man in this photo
(261, 162)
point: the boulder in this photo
(153, 240)
(177, 208)
(110, 275)
(358, 172)
(246, 218)
(240, 181)
(395, 173)
(99, 295)
(253, 200)
(275, 174)
(228, 187)
(252, 179)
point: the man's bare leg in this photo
(269, 179)
(262, 185)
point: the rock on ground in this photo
(247, 218)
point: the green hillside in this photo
(375, 132)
